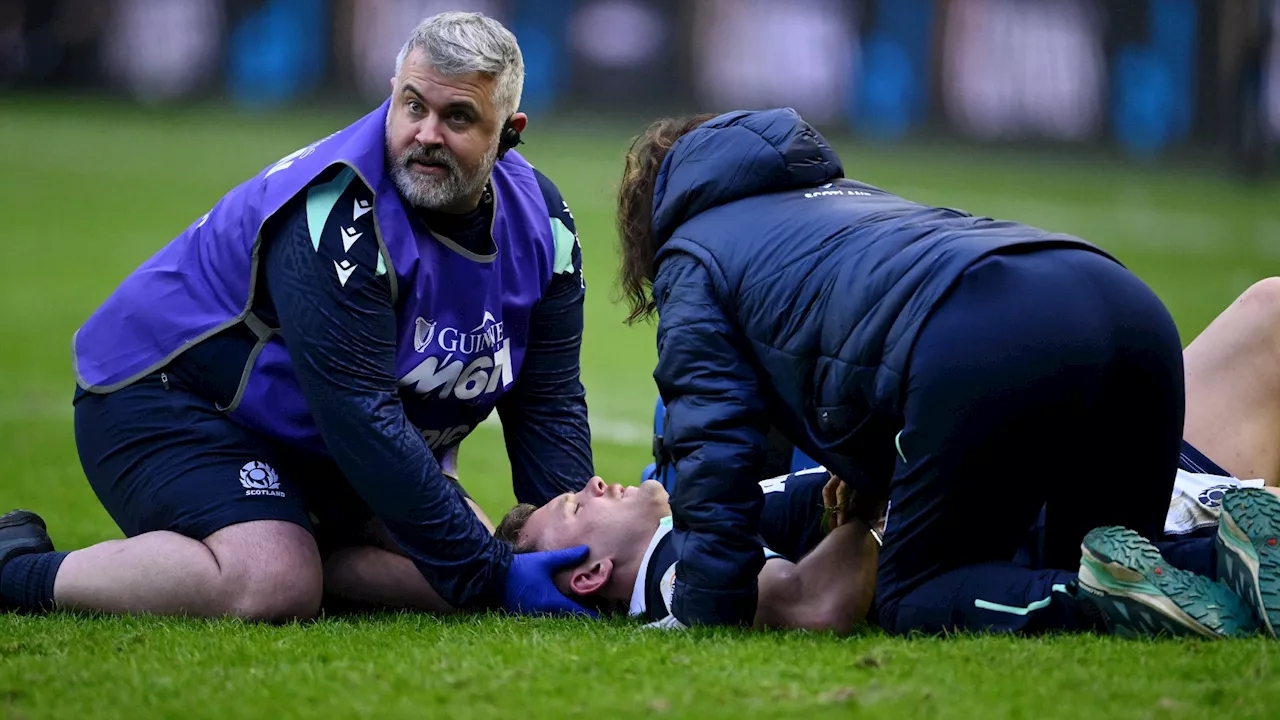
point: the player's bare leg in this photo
(1233, 386)
(262, 570)
(382, 577)
(371, 576)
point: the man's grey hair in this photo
(460, 43)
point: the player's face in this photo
(614, 521)
(442, 136)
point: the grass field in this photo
(87, 192)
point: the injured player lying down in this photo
(632, 564)
(806, 515)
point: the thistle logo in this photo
(1212, 497)
(460, 372)
(259, 478)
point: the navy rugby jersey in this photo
(790, 526)
(319, 311)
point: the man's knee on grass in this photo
(268, 570)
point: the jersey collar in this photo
(638, 606)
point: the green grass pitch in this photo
(88, 191)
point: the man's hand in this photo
(838, 508)
(836, 496)
(530, 588)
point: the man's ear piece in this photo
(508, 139)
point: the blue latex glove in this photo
(530, 590)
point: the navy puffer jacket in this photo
(789, 297)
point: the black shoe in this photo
(22, 532)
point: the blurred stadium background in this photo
(1147, 126)
(1146, 76)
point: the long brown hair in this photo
(639, 247)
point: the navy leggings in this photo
(1046, 379)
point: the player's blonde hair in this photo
(509, 529)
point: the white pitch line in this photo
(1131, 223)
(603, 428)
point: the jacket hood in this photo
(737, 155)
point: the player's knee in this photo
(276, 594)
(270, 573)
(1263, 299)
(276, 604)
(1257, 316)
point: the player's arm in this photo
(715, 433)
(544, 415)
(336, 315)
(829, 589)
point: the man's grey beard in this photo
(439, 193)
